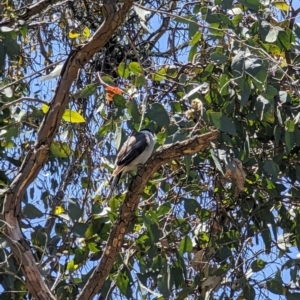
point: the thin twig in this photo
(20, 100)
(17, 81)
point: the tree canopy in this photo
(214, 212)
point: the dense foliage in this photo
(220, 224)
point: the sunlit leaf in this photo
(159, 75)
(86, 32)
(141, 12)
(281, 5)
(59, 210)
(72, 116)
(123, 71)
(196, 38)
(135, 68)
(6, 29)
(71, 266)
(53, 74)
(73, 35)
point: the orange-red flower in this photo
(111, 91)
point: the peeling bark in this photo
(163, 155)
(37, 157)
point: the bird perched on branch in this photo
(135, 152)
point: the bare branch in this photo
(163, 155)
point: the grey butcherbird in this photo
(135, 151)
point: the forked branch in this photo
(163, 155)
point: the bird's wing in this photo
(132, 148)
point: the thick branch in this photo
(37, 157)
(163, 155)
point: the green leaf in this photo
(184, 293)
(222, 122)
(123, 71)
(185, 245)
(108, 80)
(285, 40)
(79, 229)
(272, 169)
(267, 239)
(60, 149)
(289, 139)
(74, 210)
(292, 296)
(12, 47)
(122, 282)
(290, 125)
(193, 27)
(193, 52)
(2, 56)
(276, 287)
(79, 256)
(258, 265)
(216, 161)
(119, 101)
(187, 161)
(160, 75)
(218, 58)
(245, 91)
(134, 111)
(164, 209)
(158, 114)
(140, 81)
(248, 292)
(237, 19)
(72, 116)
(191, 206)
(237, 64)
(135, 68)
(207, 71)
(177, 273)
(165, 283)
(251, 4)
(196, 38)
(176, 106)
(23, 30)
(30, 211)
(253, 66)
(89, 90)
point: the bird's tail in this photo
(113, 183)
